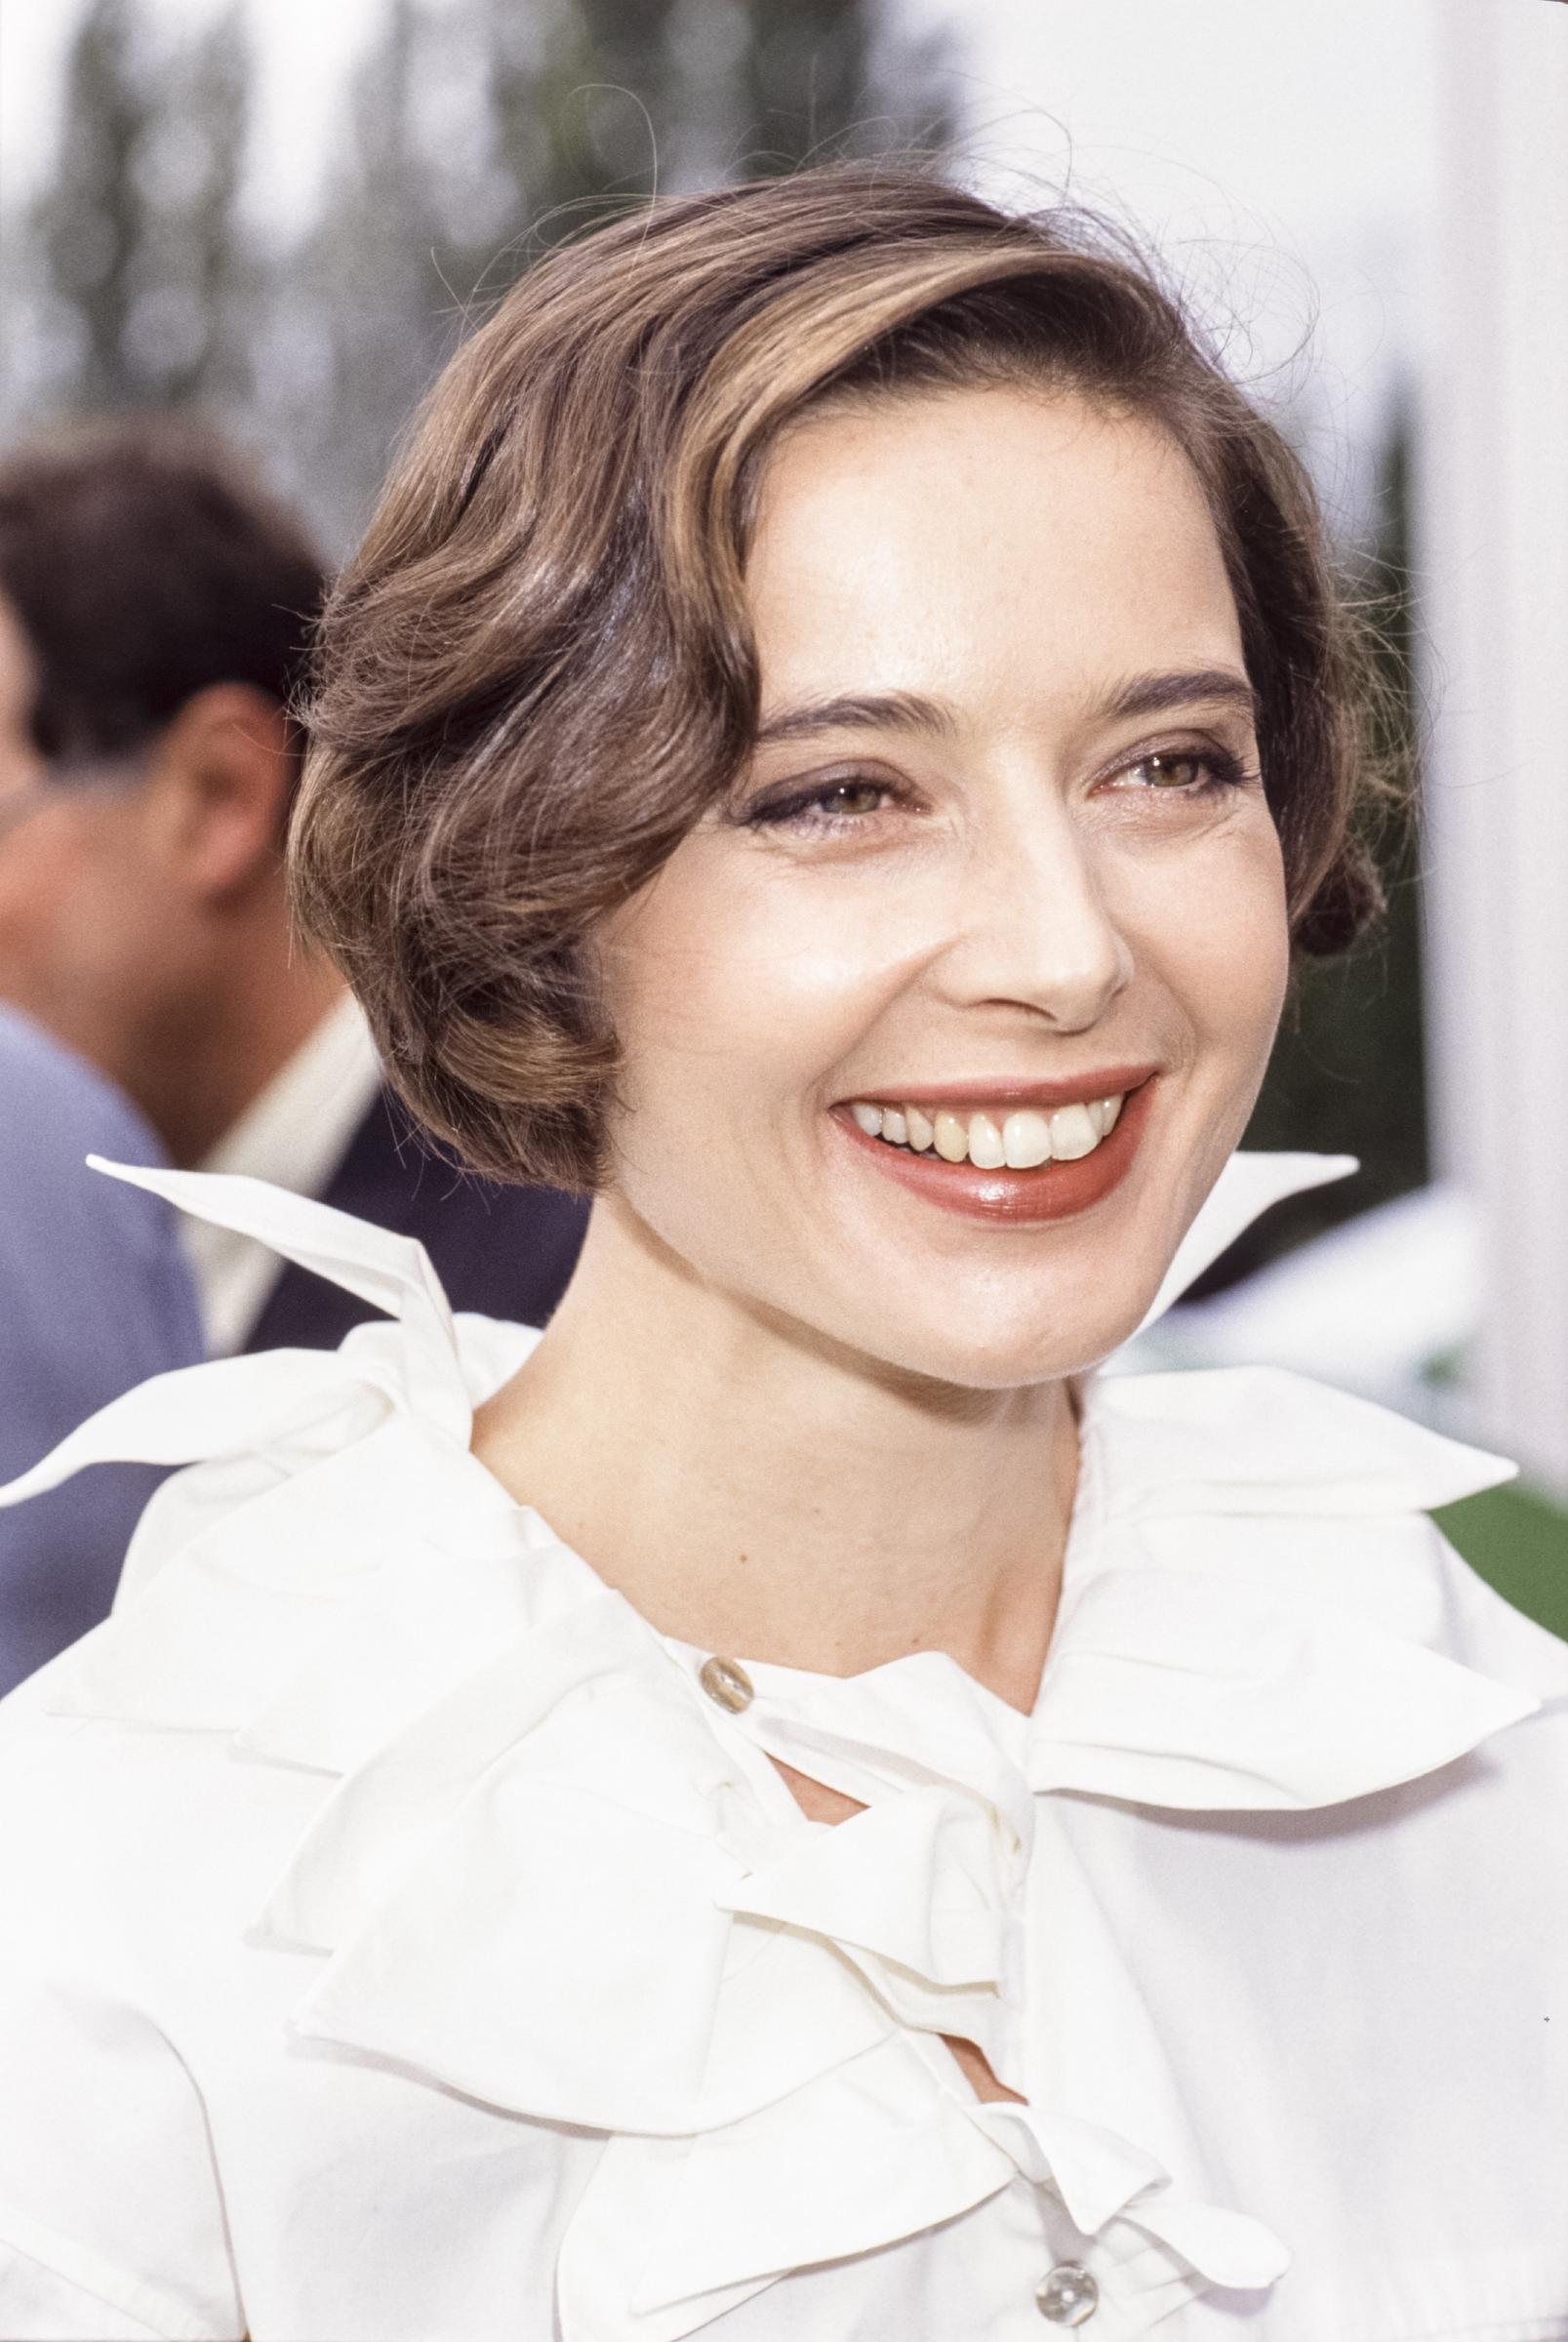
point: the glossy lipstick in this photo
(1053, 1190)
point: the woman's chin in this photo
(1009, 1354)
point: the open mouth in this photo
(1037, 1153)
(1020, 1141)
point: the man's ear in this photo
(220, 784)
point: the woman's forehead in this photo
(982, 544)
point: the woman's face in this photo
(1001, 855)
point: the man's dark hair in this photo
(144, 564)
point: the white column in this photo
(1492, 523)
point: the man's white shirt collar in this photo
(294, 1136)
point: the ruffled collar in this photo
(747, 2004)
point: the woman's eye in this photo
(852, 797)
(832, 804)
(1187, 771)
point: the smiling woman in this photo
(544, 660)
(790, 1803)
(1003, 857)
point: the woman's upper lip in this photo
(1066, 1089)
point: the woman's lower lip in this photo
(1016, 1198)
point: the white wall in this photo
(1493, 521)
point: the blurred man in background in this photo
(154, 609)
(94, 1296)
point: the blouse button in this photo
(1068, 2296)
(726, 1684)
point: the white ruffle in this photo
(746, 2004)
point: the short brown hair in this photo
(538, 672)
(144, 564)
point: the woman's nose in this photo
(1032, 926)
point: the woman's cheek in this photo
(1215, 927)
(770, 974)
(1257, 970)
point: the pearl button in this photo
(1068, 2296)
(726, 1684)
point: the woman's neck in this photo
(755, 1491)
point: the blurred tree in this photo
(477, 132)
(481, 131)
(137, 240)
(90, 223)
(589, 125)
(817, 80)
(613, 99)
(184, 332)
(366, 287)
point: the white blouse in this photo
(398, 1943)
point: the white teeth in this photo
(1027, 1139)
(1018, 1142)
(1073, 1133)
(985, 1143)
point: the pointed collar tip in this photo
(1250, 1185)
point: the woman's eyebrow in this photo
(897, 710)
(1158, 694)
(907, 711)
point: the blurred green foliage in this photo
(1518, 1542)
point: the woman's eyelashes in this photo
(1187, 771)
(846, 801)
